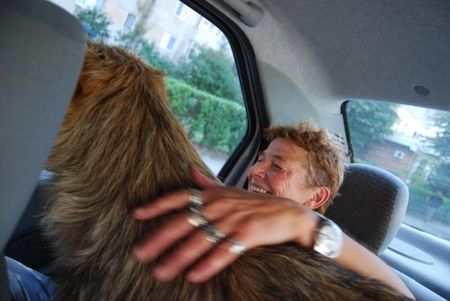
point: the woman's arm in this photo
(355, 257)
(360, 260)
(253, 220)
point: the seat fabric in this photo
(370, 205)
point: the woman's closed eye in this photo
(276, 167)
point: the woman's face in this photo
(282, 170)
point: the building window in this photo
(167, 41)
(189, 49)
(129, 21)
(399, 154)
(182, 12)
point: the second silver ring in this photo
(196, 217)
(213, 235)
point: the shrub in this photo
(417, 199)
(214, 122)
(158, 61)
(211, 71)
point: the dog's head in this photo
(119, 147)
(119, 128)
(110, 74)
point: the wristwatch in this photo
(329, 238)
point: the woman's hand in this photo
(247, 219)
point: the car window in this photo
(414, 144)
(201, 74)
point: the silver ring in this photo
(213, 235)
(195, 197)
(197, 220)
(235, 247)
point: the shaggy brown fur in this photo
(119, 147)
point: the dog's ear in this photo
(78, 91)
(76, 97)
(94, 71)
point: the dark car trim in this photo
(243, 155)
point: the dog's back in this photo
(119, 147)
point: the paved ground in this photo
(215, 161)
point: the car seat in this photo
(370, 205)
(42, 50)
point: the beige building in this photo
(173, 27)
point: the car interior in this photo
(296, 60)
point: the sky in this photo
(415, 120)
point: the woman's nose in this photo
(259, 169)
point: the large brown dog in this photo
(119, 147)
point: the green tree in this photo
(213, 122)
(369, 121)
(134, 38)
(441, 142)
(212, 71)
(95, 23)
(439, 179)
(149, 53)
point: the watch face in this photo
(329, 240)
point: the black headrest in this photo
(370, 205)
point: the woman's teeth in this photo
(257, 189)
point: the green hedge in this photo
(216, 123)
(417, 199)
(417, 204)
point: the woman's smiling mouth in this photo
(258, 189)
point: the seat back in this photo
(42, 50)
(370, 205)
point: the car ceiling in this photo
(333, 51)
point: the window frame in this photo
(233, 171)
(350, 154)
(344, 110)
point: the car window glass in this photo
(414, 144)
(201, 74)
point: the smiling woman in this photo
(305, 156)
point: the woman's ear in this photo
(320, 197)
